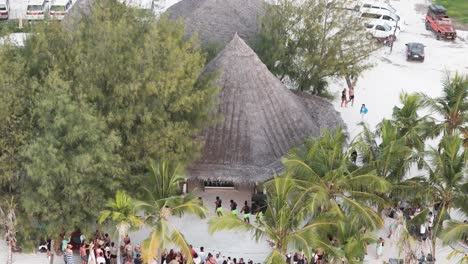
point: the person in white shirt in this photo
(430, 223)
(218, 258)
(422, 231)
(202, 255)
(100, 259)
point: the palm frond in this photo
(454, 231)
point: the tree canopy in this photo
(86, 109)
(312, 42)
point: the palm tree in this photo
(448, 180)
(286, 223)
(454, 232)
(453, 104)
(8, 224)
(351, 239)
(415, 129)
(162, 199)
(391, 158)
(122, 212)
(337, 183)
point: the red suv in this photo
(438, 21)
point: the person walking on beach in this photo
(218, 206)
(379, 249)
(246, 211)
(343, 98)
(351, 95)
(363, 111)
(233, 207)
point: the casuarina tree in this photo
(311, 41)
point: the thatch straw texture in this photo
(79, 9)
(216, 21)
(262, 120)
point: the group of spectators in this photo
(200, 257)
(99, 249)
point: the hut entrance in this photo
(218, 184)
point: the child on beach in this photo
(363, 111)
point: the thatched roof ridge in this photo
(262, 120)
(216, 21)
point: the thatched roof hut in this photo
(216, 21)
(262, 120)
(79, 9)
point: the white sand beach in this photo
(379, 88)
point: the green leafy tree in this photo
(453, 104)
(13, 132)
(286, 223)
(122, 212)
(84, 107)
(447, 175)
(312, 42)
(161, 200)
(8, 225)
(71, 165)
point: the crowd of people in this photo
(97, 250)
(201, 257)
(245, 211)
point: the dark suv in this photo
(415, 51)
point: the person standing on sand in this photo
(83, 255)
(363, 111)
(218, 206)
(246, 211)
(233, 207)
(343, 98)
(68, 255)
(379, 249)
(351, 95)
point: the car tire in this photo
(408, 58)
(422, 60)
(438, 36)
(369, 36)
(428, 27)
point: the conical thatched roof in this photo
(262, 119)
(216, 21)
(79, 9)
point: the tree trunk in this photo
(118, 245)
(348, 81)
(10, 252)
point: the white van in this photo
(374, 15)
(4, 9)
(59, 8)
(380, 30)
(36, 9)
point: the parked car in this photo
(36, 9)
(415, 51)
(4, 9)
(440, 23)
(379, 29)
(379, 5)
(373, 15)
(59, 8)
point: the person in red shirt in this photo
(192, 251)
